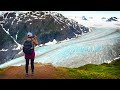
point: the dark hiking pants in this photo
(27, 64)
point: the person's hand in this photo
(35, 36)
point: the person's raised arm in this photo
(35, 41)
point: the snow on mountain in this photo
(97, 22)
(50, 43)
(3, 49)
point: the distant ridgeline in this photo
(46, 25)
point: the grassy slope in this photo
(89, 71)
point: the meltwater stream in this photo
(101, 45)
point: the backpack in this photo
(27, 47)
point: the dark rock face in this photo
(6, 40)
(112, 19)
(46, 25)
(1, 18)
(103, 18)
(7, 46)
(84, 18)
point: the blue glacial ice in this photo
(99, 46)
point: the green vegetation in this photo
(51, 26)
(91, 71)
(5, 38)
(21, 34)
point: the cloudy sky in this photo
(87, 13)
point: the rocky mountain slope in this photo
(46, 25)
(112, 19)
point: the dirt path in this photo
(41, 72)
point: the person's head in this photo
(29, 35)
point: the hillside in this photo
(47, 71)
(48, 26)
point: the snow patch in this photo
(41, 18)
(17, 35)
(61, 29)
(76, 35)
(117, 58)
(66, 40)
(4, 49)
(96, 22)
(28, 20)
(12, 22)
(50, 43)
(33, 16)
(18, 47)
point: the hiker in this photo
(28, 49)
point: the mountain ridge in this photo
(45, 24)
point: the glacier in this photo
(101, 45)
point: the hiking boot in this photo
(26, 75)
(32, 74)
